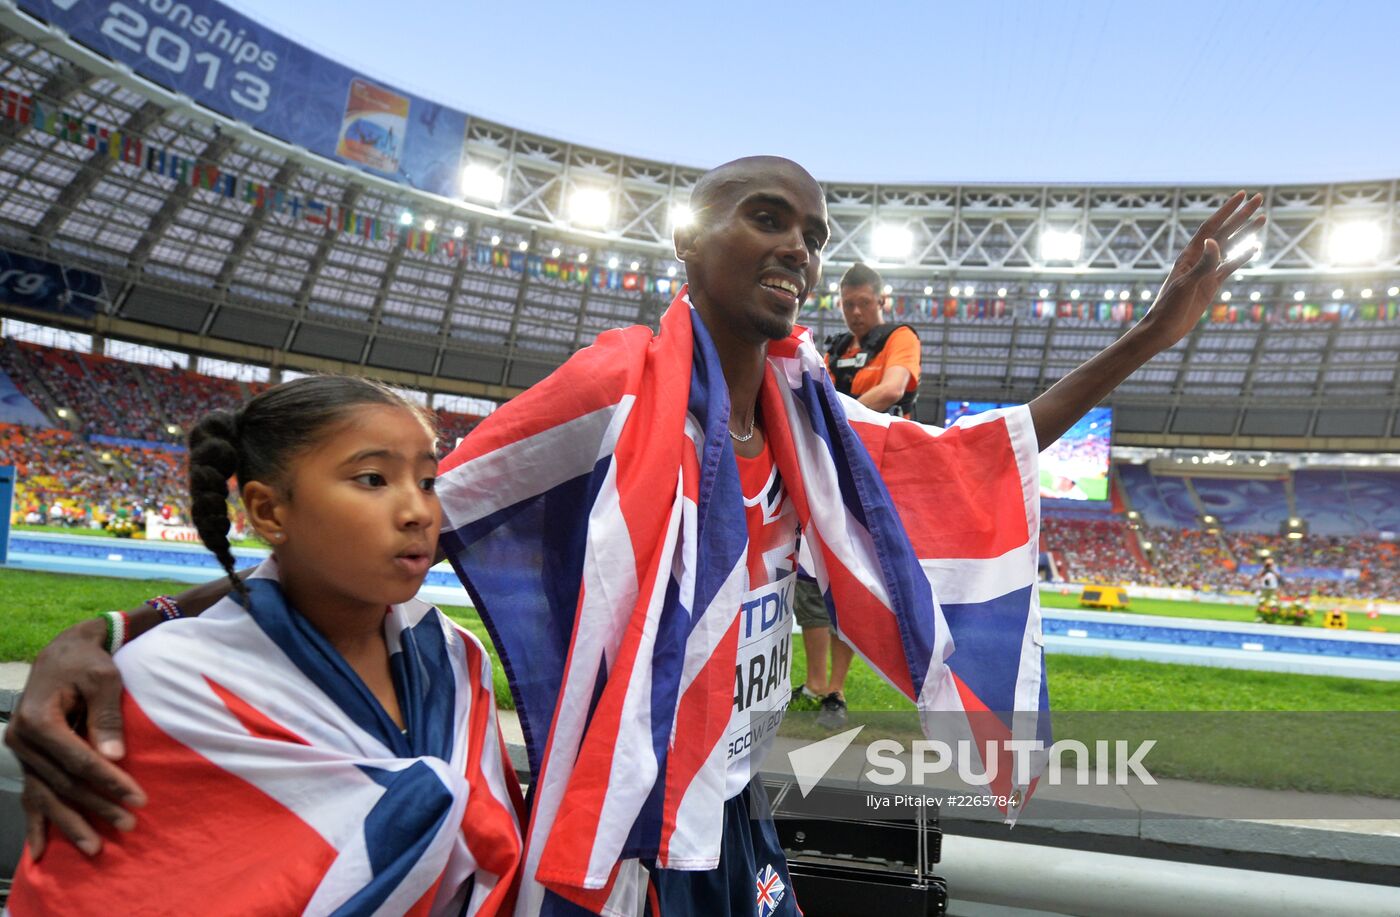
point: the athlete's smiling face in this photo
(755, 253)
(358, 517)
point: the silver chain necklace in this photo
(746, 437)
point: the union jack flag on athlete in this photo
(770, 890)
(277, 784)
(598, 522)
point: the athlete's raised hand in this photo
(1196, 277)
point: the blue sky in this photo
(1235, 91)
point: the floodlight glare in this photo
(1124, 295)
(1107, 294)
(1254, 297)
(1145, 294)
(831, 287)
(583, 257)
(887, 290)
(928, 291)
(554, 253)
(1250, 241)
(406, 218)
(612, 264)
(495, 240)
(891, 241)
(681, 216)
(1354, 242)
(636, 264)
(1073, 294)
(1044, 292)
(1225, 297)
(969, 290)
(1366, 293)
(1298, 296)
(1337, 293)
(955, 291)
(590, 207)
(671, 271)
(482, 183)
(430, 224)
(1393, 291)
(1060, 245)
(1001, 292)
(458, 232)
(524, 245)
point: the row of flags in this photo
(571, 271)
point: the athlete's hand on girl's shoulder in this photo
(69, 776)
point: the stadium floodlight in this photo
(887, 290)
(1124, 295)
(1147, 546)
(928, 291)
(1060, 245)
(1001, 292)
(671, 271)
(1225, 296)
(1393, 291)
(1366, 293)
(62, 412)
(1254, 297)
(459, 231)
(1355, 242)
(523, 245)
(406, 218)
(636, 264)
(1338, 293)
(613, 263)
(955, 291)
(969, 290)
(1044, 292)
(480, 182)
(554, 252)
(1145, 295)
(590, 207)
(892, 242)
(831, 287)
(1073, 294)
(1107, 294)
(495, 240)
(681, 216)
(583, 257)
(1298, 296)
(172, 429)
(430, 225)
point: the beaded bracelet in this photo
(169, 609)
(117, 630)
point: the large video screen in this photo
(1075, 467)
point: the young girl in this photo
(320, 741)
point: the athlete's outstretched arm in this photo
(67, 777)
(1189, 290)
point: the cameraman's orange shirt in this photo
(901, 349)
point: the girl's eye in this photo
(428, 484)
(371, 479)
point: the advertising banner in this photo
(37, 284)
(232, 65)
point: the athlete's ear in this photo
(684, 237)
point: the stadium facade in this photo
(145, 197)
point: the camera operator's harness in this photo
(844, 369)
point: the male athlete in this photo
(752, 256)
(878, 364)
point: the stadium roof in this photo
(282, 256)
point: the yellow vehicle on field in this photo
(1107, 598)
